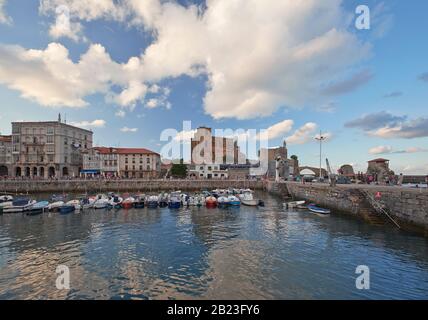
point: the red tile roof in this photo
(107, 150)
(6, 138)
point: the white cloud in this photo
(90, 124)
(152, 103)
(52, 79)
(279, 129)
(303, 134)
(126, 129)
(390, 150)
(278, 52)
(4, 18)
(380, 150)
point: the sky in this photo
(130, 69)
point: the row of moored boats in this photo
(176, 199)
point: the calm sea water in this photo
(245, 253)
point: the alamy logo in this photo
(363, 20)
(63, 280)
(363, 280)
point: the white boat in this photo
(318, 210)
(101, 202)
(75, 204)
(293, 204)
(19, 205)
(87, 203)
(55, 205)
(248, 199)
(223, 201)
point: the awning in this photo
(90, 171)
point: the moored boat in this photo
(139, 201)
(65, 209)
(174, 201)
(55, 206)
(19, 205)
(6, 198)
(211, 202)
(163, 200)
(318, 210)
(75, 203)
(101, 202)
(38, 208)
(248, 199)
(234, 201)
(293, 204)
(223, 201)
(152, 202)
(128, 203)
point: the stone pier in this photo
(408, 206)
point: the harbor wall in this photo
(408, 206)
(134, 185)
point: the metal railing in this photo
(377, 205)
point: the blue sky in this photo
(295, 69)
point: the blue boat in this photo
(38, 208)
(321, 211)
(65, 209)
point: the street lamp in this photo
(320, 138)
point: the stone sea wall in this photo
(82, 186)
(409, 207)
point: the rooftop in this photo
(107, 150)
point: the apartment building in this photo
(48, 149)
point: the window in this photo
(65, 159)
(141, 168)
(15, 139)
(50, 158)
(16, 129)
(126, 168)
(50, 130)
(126, 160)
(49, 139)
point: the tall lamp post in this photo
(320, 138)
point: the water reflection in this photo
(244, 253)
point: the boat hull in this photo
(250, 203)
(66, 209)
(174, 205)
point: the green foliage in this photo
(179, 170)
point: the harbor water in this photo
(200, 253)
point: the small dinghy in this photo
(6, 198)
(320, 211)
(293, 204)
(38, 208)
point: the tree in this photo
(179, 170)
(294, 157)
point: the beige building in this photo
(48, 149)
(221, 150)
(123, 162)
(5, 155)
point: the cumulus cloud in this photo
(4, 18)
(417, 128)
(386, 125)
(257, 55)
(303, 134)
(52, 79)
(90, 124)
(375, 120)
(126, 129)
